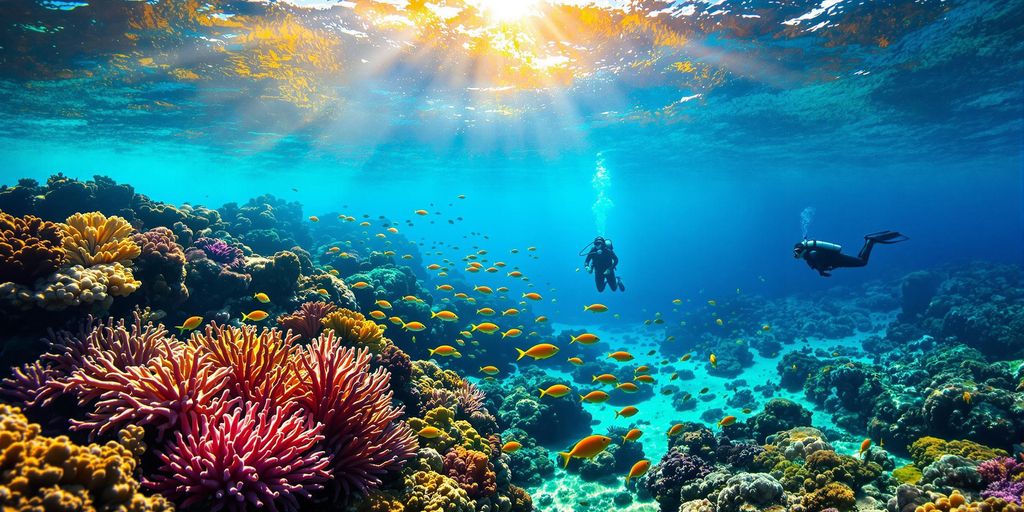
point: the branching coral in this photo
(355, 330)
(245, 459)
(362, 430)
(29, 248)
(470, 398)
(41, 473)
(261, 367)
(93, 238)
(164, 393)
(307, 321)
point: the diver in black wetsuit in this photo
(826, 256)
(601, 260)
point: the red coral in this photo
(244, 460)
(260, 367)
(164, 393)
(306, 320)
(471, 469)
(361, 427)
(29, 249)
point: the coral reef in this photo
(93, 239)
(29, 249)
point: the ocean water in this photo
(703, 137)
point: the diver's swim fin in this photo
(887, 237)
(618, 281)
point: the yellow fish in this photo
(718, 321)
(576, 361)
(190, 323)
(361, 285)
(255, 316)
(445, 316)
(489, 370)
(511, 333)
(594, 397)
(676, 429)
(632, 435)
(621, 356)
(443, 350)
(485, 311)
(556, 390)
(262, 297)
(383, 304)
(627, 411)
(430, 432)
(413, 326)
(596, 308)
(714, 361)
(486, 327)
(511, 447)
(378, 314)
(314, 218)
(539, 351)
(532, 296)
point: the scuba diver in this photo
(826, 256)
(601, 261)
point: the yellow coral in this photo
(381, 502)
(434, 492)
(928, 449)
(42, 473)
(908, 474)
(76, 286)
(355, 330)
(93, 238)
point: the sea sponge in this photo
(42, 473)
(927, 450)
(472, 471)
(93, 238)
(29, 249)
(433, 492)
(832, 495)
(908, 474)
(353, 329)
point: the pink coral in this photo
(260, 365)
(362, 430)
(307, 320)
(243, 460)
(163, 393)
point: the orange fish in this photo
(685, 358)
(360, 285)
(632, 435)
(532, 296)
(646, 379)
(676, 429)
(190, 323)
(445, 316)
(604, 378)
(511, 333)
(540, 351)
(596, 308)
(413, 326)
(489, 370)
(628, 387)
(585, 339)
(486, 290)
(594, 397)
(421, 212)
(586, 448)
(486, 327)
(621, 356)
(255, 316)
(639, 469)
(511, 447)
(556, 390)
(642, 369)
(485, 311)
(626, 411)
(443, 350)
(714, 361)
(576, 361)
(864, 445)
(726, 421)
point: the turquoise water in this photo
(704, 137)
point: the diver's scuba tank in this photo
(820, 245)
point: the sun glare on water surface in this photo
(507, 11)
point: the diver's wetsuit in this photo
(825, 261)
(603, 260)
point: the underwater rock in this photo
(748, 491)
(779, 414)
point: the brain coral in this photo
(29, 249)
(93, 238)
(42, 473)
(927, 450)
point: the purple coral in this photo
(1005, 479)
(219, 251)
(676, 469)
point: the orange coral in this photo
(93, 238)
(42, 473)
(957, 502)
(355, 330)
(261, 367)
(29, 248)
